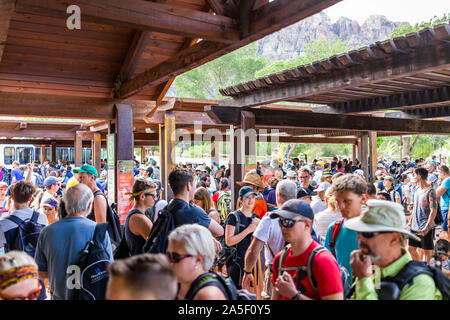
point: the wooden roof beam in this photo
(142, 15)
(35, 133)
(298, 119)
(264, 21)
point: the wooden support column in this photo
(124, 156)
(243, 148)
(78, 150)
(53, 151)
(354, 152)
(401, 148)
(43, 156)
(167, 141)
(215, 150)
(96, 152)
(143, 154)
(372, 154)
(365, 154)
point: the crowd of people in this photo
(316, 230)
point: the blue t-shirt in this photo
(17, 173)
(58, 247)
(188, 213)
(445, 198)
(345, 243)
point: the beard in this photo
(367, 251)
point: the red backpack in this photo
(336, 228)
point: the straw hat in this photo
(252, 178)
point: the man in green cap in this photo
(87, 175)
(382, 233)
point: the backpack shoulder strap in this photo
(336, 228)
(15, 219)
(283, 255)
(100, 233)
(35, 216)
(202, 281)
(313, 254)
(408, 273)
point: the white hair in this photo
(78, 198)
(197, 240)
(15, 259)
(287, 190)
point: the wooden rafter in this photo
(142, 15)
(6, 10)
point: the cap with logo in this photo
(294, 208)
(50, 202)
(327, 173)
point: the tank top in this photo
(135, 243)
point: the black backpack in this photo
(228, 252)
(226, 285)
(26, 235)
(158, 239)
(390, 288)
(113, 220)
(309, 271)
(93, 262)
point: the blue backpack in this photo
(39, 181)
(26, 235)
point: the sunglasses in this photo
(289, 223)
(151, 194)
(369, 235)
(175, 257)
(31, 296)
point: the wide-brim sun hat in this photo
(381, 215)
(253, 179)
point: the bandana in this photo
(16, 275)
(136, 194)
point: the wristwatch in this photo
(297, 296)
(248, 272)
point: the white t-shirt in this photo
(269, 231)
(323, 220)
(317, 204)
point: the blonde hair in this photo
(197, 240)
(202, 194)
(15, 259)
(331, 199)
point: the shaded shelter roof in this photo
(409, 73)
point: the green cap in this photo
(88, 169)
(381, 215)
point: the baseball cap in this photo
(50, 180)
(323, 186)
(291, 174)
(380, 165)
(327, 173)
(3, 184)
(149, 170)
(50, 202)
(390, 178)
(246, 191)
(381, 215)
(411, 165)
(303, 192)
(87, 168)
(294, 208)
(360, 172)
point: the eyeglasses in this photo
(151, 194)
(31, 296)
(175, 257)
(369, 235)
(289, 223)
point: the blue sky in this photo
(411, 11)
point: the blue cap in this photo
(50, 180)
(246, 191)
(294, 208)
(50, 202)
(411, 165)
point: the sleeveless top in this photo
(421, 210)
(135, 243)
(91, 215)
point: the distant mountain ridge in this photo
(290, 42)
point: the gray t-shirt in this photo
(421, 210)
(433, 178)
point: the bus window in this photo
(87, 155)
(37, 154)
(8, 155)
(24, 155)
(48, 154)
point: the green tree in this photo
(408, 28)
(205, 81)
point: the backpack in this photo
(309, 271)
(39, 180)
(93, 262)
(335, 232)
(26, 235)
(391, 287)
(158, 239)
(113, 220)
(438, 219)
(150, 212)
(225, 284)
(224, 204)
(228, 252)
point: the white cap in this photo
(323, 186)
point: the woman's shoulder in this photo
(210, 292)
